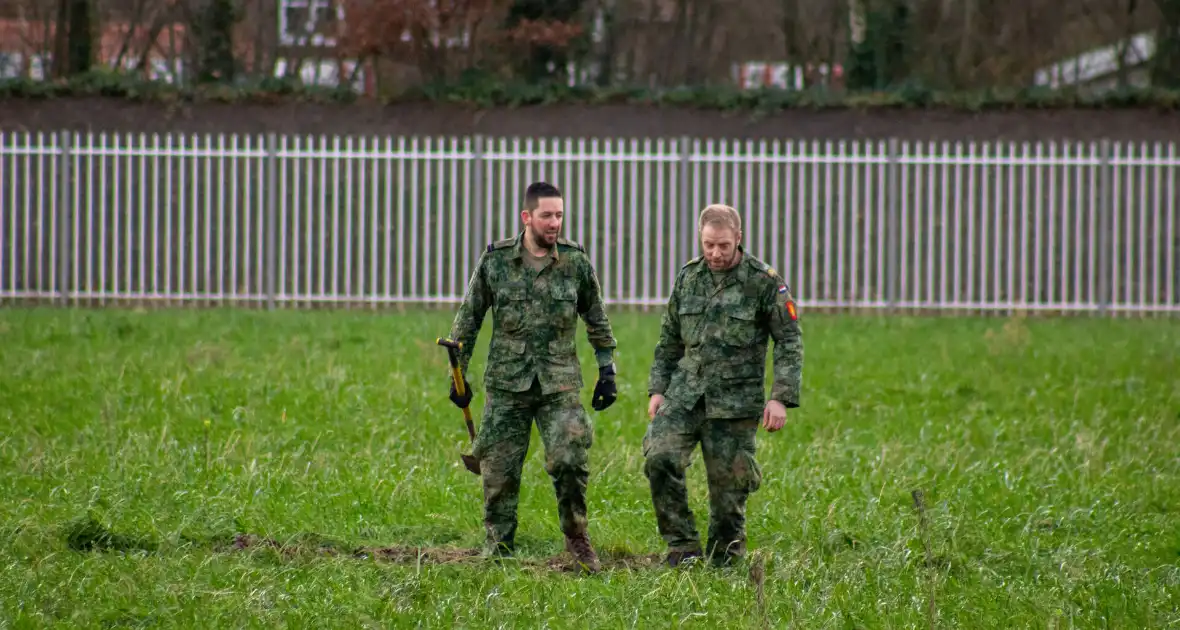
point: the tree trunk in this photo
(1165, 70)
(1125, 43)
(216, 36)
(792, 33)
(73, 50)
(81, 37)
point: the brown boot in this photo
(579, 546)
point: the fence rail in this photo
(296, 220)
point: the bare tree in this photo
(74, 40)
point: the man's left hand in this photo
(774, 416)
(605, 392)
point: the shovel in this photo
(452, 346)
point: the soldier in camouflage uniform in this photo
(536, 285)
(707, 385)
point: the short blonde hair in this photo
(720, 215)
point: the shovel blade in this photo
(471, 463)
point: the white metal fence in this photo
(298, 220)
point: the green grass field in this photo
(147, 458)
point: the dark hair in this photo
(537, 191)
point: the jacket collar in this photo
(518, 249)
(740, 273)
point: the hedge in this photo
(486, 94)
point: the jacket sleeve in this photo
(670, 346)
(782, 318)
(468, 321)
(592, 309)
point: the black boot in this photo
(676, 558)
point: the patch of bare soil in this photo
(612, 560)
(89, 535)
(420, 555)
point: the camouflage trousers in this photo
(503, 441)
(727, 447)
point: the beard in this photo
(724, 263)
(548, 241)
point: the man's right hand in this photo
(654, 404)
(464, 400)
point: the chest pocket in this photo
(512, 302)
(691, 312)
(740, 324)
(565, 303)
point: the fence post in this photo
(1105, 215)
(686, 220)
(477, 190)
(65, 213)
(1173, 269)
(892, 259)
(272, 166)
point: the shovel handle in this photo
(453, 347)
(470, 424)
(458, 375)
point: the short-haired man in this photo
(537, 285)
(707, 386)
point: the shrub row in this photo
(488, 93)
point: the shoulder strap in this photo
(501, 244)
(571, 244)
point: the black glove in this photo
(604, 391)
(465, 399)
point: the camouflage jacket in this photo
(713, 340)
(534, 316)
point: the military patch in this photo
(782, 289)
(771, 272)
(791, 311)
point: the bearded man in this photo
(707, 386)
(537, 284)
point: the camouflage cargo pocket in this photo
(741, 326)
(690, 313)
(564, 306)
(511, 308)
(747, 472)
